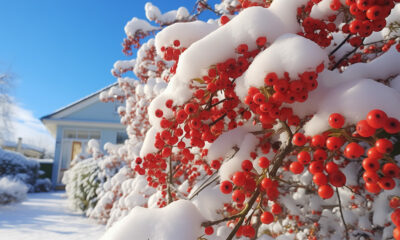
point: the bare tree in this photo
(5, 103)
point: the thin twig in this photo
(341, 214)
(340, 45)
(203, 186)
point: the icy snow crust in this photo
(180, 220)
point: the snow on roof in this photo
(8, 143)
(77, 102)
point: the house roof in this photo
(52, 120)
(76, 103)
(13, 144)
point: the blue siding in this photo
(98, 111)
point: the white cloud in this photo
(29, 128)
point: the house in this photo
(26, 149)
(74, 125)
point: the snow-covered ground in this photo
(46, 216)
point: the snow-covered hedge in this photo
(82, 182)
(26, 170)
(12, 190)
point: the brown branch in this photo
(169, 182)
(244, 213)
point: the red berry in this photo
(263, 162)
(224, 20)
(364, 129)
(276, 208)
(384, 146)
(386, 183)
(391, 170)
(395, 216)
(238, 196)
(177, 43)
(215, 164)
(396, 233)
(331, 167)
(370, 177)
(259, 98)
(316, 167)
(334, 143)
(325, 191)
(320, 155)
(370, 164)
(239, 179)
(296, 167)
(336, 120)
(267, 217)
(226, 187)
(169, 103)
(377, 118)
(247, 165)
(375, 12)
(299, 139)
(374, 153)
(320, 179)
(304, 157)
(364, 4)
(392, 125)
(318, 141)
(372, 187)
(159, 113)
(353, 150)
(266, 183)
(261, 41)
(394, 202)
(209, 230)
(337, 179)
(271, 79)
(190, 108)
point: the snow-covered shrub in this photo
(81, 182)
(280, 120)
(16, 166)
(12, 190)
(43, 185)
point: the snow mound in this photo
(12, 191)
(178, 221)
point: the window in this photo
(69, 133)
(81, 134)
(121, 137)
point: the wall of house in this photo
(62, 147)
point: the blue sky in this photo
(60, 51)
(63, 50)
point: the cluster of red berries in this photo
(267, 101)
(172, 53)
(200, 120)
(318, 30)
